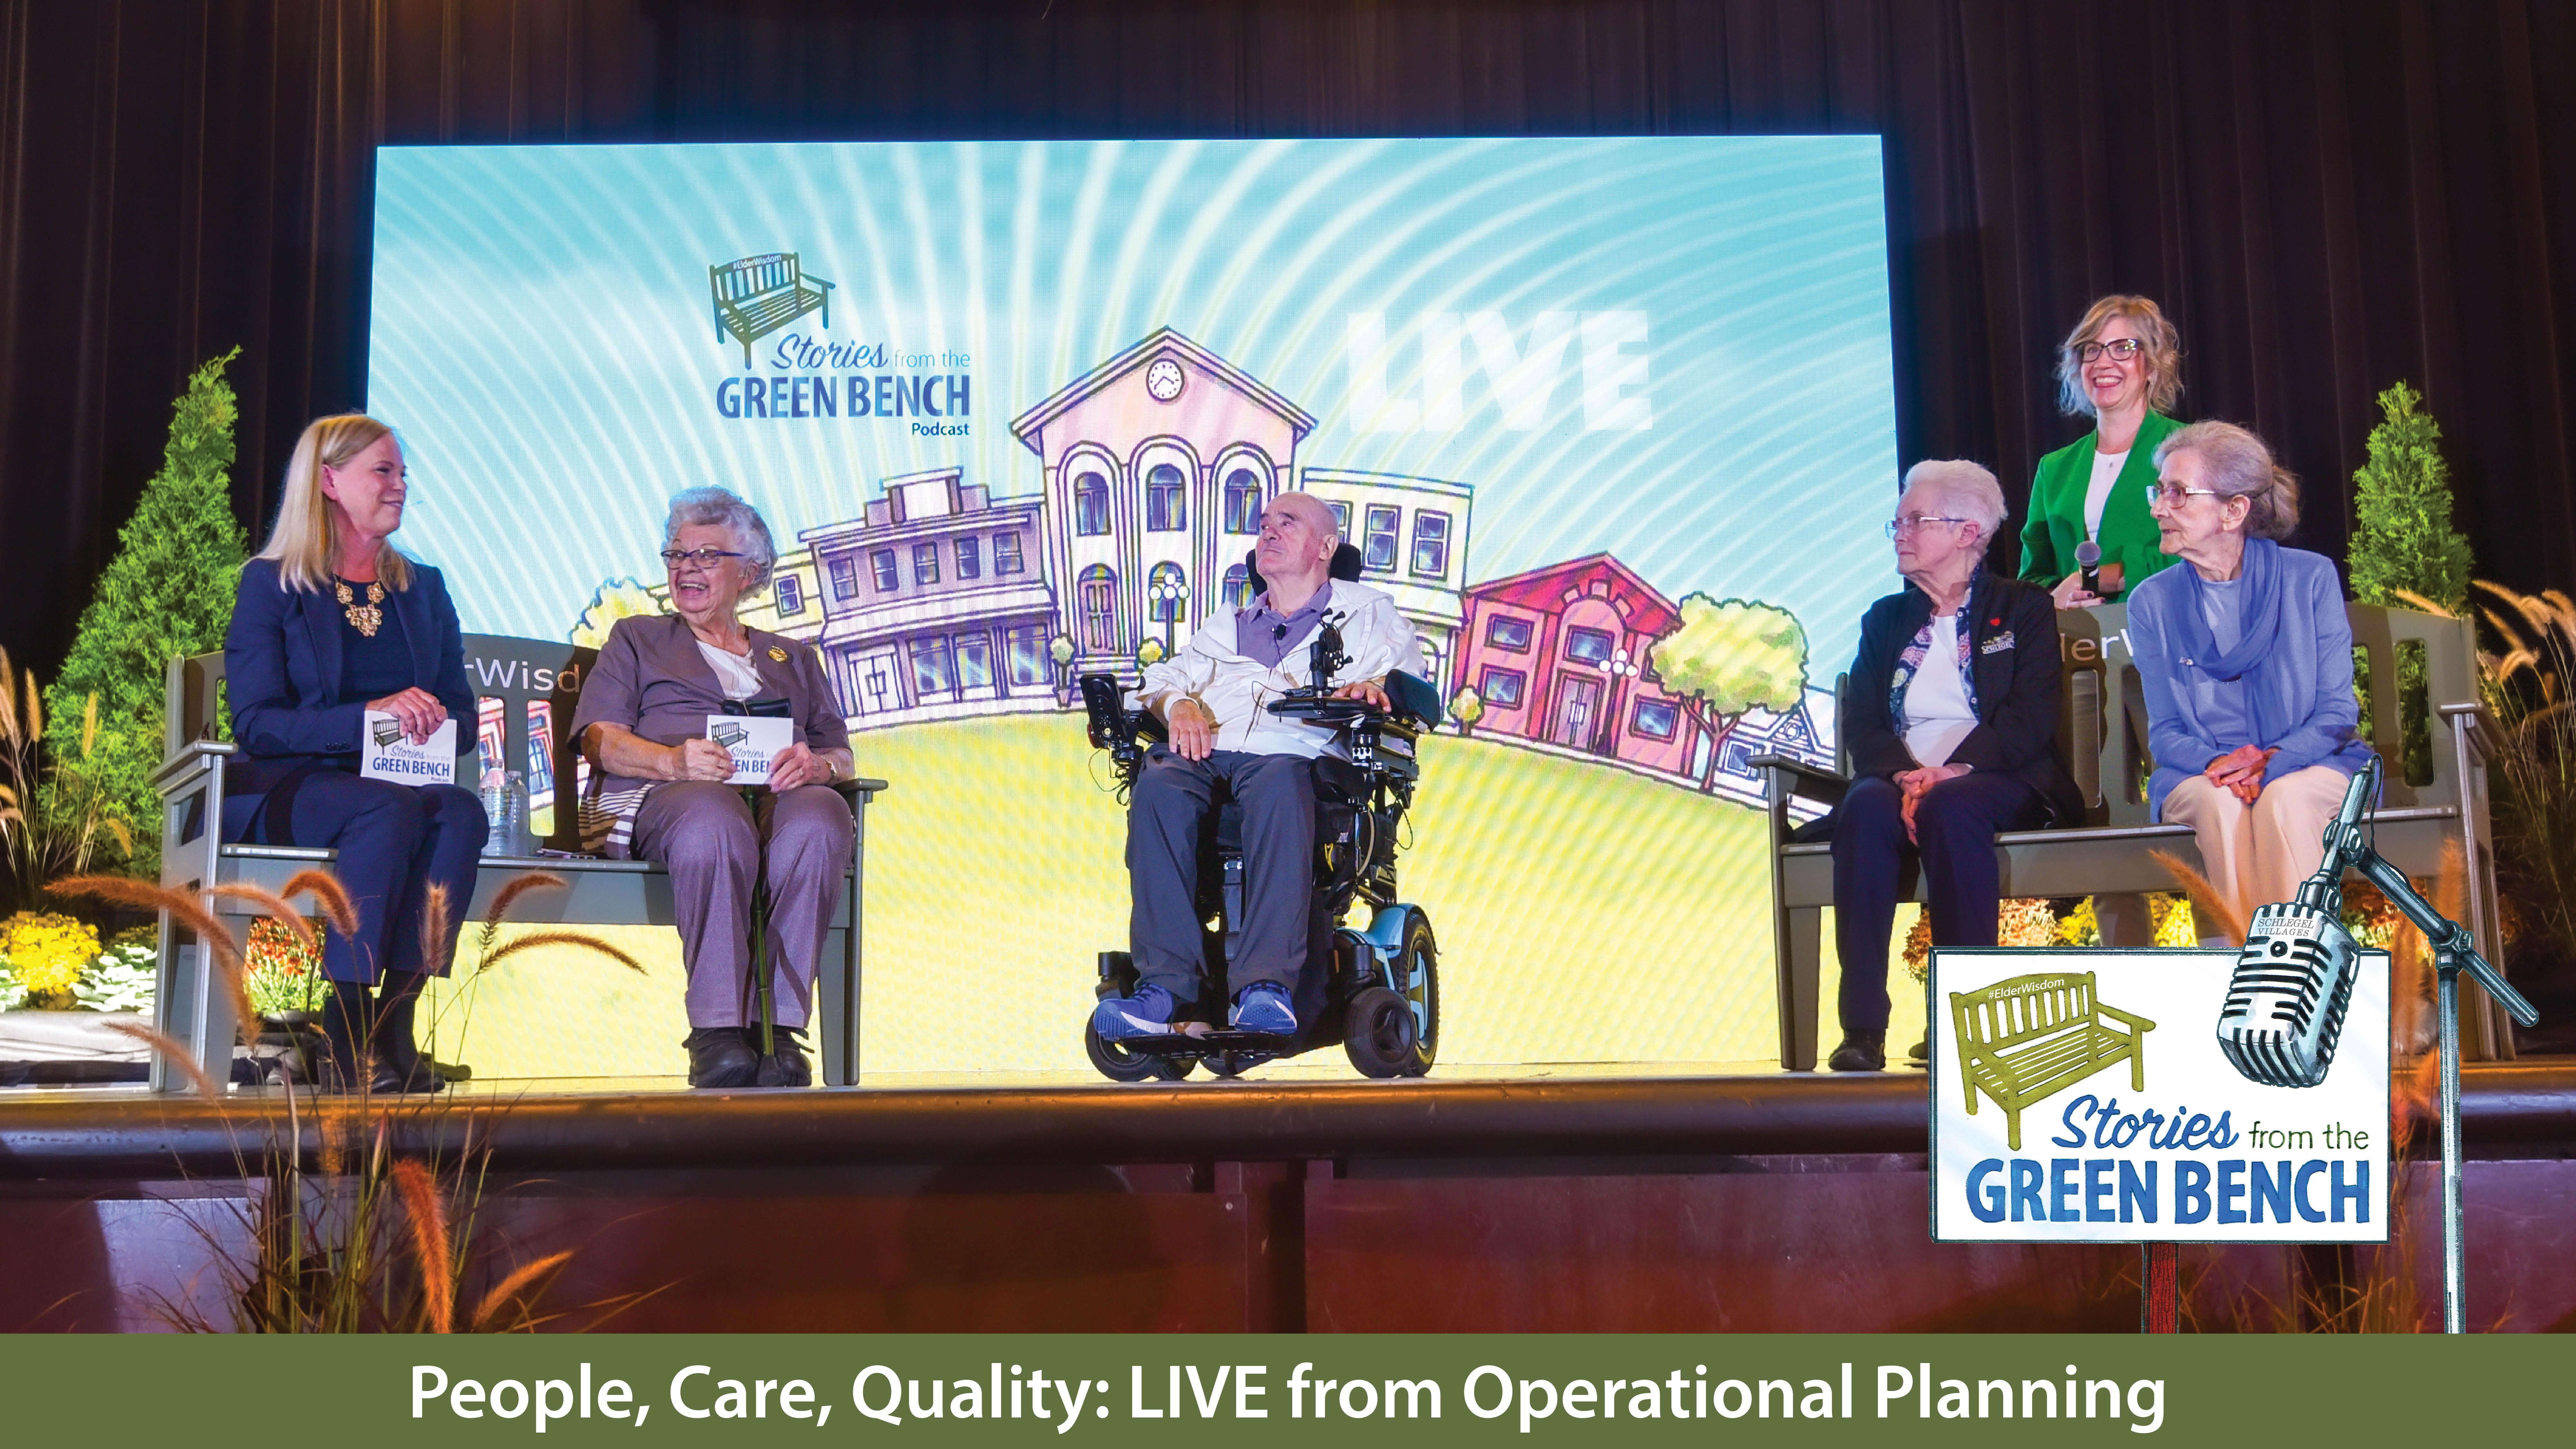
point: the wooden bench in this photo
(532, 679)
(2022, 1039)
(2102, 740)
(758, 295)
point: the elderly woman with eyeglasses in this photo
(658, 791)
(1951, 716)
(2245, 658)
(2122, 365)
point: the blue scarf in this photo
(2258, 620)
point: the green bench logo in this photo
(755, 296)
(2025, 1040)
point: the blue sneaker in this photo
(1264, 1007)
(1147, 1013)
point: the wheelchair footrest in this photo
(1202, 1039)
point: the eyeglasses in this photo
(2171, 495)
(1912, 521)
(2121, 350)
(704, 558)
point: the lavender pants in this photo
(715, 846)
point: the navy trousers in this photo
(1956, 825)
(1173, 805)
(395, 841)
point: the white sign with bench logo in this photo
(2081, 1096)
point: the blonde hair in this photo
(2240, 466)
(305, 541)
(2162, 354)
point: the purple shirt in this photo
(1265, 636)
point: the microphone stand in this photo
(2454, 951)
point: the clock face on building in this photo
(1163, 379)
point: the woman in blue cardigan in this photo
(329, 623)
(2245, 655)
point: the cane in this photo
(760, 928)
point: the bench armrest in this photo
(2136, 1023)
(2486, 733)
(191, 760)
(1802, 780)
(862, 789)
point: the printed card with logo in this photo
(386, 753)
(753, 741)
(2083, 1097)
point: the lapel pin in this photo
(777, 653)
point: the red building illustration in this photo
(1562, 656)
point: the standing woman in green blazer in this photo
(2122, 364)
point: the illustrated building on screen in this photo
(942, 602)
(1562, 659)
(932, 604)
(1155, 467)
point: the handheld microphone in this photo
(2293, 981)
(2088, 557)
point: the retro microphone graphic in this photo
(2285, 1004)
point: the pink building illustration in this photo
(1562, 657)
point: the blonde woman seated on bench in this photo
(658, 789)
(2245, 658)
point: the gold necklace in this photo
(366, 618)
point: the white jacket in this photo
(1236, 690)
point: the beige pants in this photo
(2258, 854)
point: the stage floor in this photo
(1698, 1197)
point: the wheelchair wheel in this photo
(1228, 1065)
(1378, 1033)
(1415, 975)
(1119, 1064)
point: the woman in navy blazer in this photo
(329, 623)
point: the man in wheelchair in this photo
(1225, 742)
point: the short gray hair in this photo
(694, 506)
(2240, 465)
(1968, 487)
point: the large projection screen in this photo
(1006, 402)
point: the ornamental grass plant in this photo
(55, 818)
(357, 1213)
(2530, 686)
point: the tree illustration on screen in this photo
(1728, 656)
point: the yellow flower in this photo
(46, 952)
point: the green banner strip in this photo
(1414, 1389)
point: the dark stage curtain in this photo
(2328, 196)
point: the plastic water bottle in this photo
(521, 842)
(496, 812)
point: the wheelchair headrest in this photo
(1346, 566)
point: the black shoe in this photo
(1861, 1051)
(383, 1079)
(1922, 1052)
(719, 1057)
(419, 1074)
(787, 1066)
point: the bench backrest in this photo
(2100, 700)
(528, 688)
(740, 281)
(2023, 1008)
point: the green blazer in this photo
(2056, 522)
